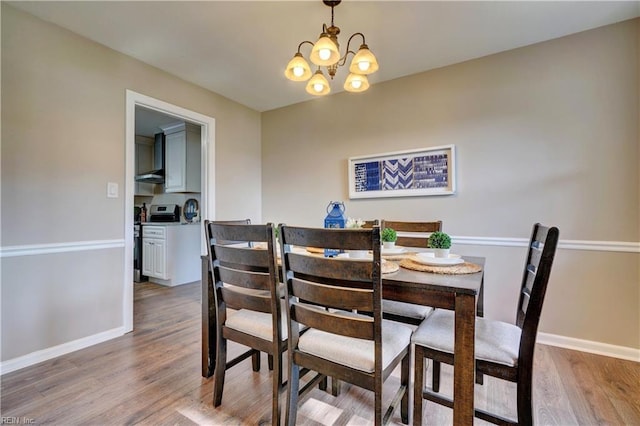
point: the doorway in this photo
(207, 207)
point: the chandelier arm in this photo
(352, 36)
(306, 41)
(343, 60)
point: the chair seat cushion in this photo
(257, 324)
(496, 341)
(356, 353)
(408, 310)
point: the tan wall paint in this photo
(63, 139)
(544, 133)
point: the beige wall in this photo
(63, 139)
(544, 133)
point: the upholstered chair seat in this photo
(496, 341)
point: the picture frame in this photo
(411, 173)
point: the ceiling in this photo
(239, 48)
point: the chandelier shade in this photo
(318, 84)
(356, 83)
(325, 52)
(298, 69)
(364, 62)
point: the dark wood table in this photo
(454, 292)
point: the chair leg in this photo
(255, 361)
(404, 382)
(292, 394)
(219, 372)
(270, 362)
(435, 377)
(335, 386)
(525, 409)
(277, 387)
(323, 384)
(418, 385)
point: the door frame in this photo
(207, 175)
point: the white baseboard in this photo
(55, 351)
(598, 348)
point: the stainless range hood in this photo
(157, 174)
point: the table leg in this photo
(464, 359)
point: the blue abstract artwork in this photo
(424, 172)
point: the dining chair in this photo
(502, 350)
(410, 234)
(208, 308)
(248, 306)
(325, 295)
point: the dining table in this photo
(461, 293)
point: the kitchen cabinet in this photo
(143, 163)
(171, 253)
(182, 158)
(154, 252)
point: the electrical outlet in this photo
(112, 190)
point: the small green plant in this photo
(439, 240)
(388, 235)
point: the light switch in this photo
(112, 190)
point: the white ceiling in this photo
(239, 48)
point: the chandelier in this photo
(326, 53)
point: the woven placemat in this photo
(463, 268)
(396, 257)
(389, 267)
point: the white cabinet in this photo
(182, 158)
(154, 252)
(171, 253)
(144, 163)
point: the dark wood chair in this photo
(409, 313)
(324, 295)
(208, 305)
(502, 350)
(248, 306)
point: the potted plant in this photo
(388, 237)
(441, 243)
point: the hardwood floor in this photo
(152, 377)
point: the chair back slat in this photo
(342, 323)
(242, 256)
(333, 296)
(346, 239)
(243, 278)
(413, 234)
(330, 268)
(229, 222)
(235, 299)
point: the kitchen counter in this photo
(171, 252)
(168, 223)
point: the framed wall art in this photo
(421, 172)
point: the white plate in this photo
(395, 250)
(431, 255)
(365, 258)
(429, 259)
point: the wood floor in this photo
(152, 377)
